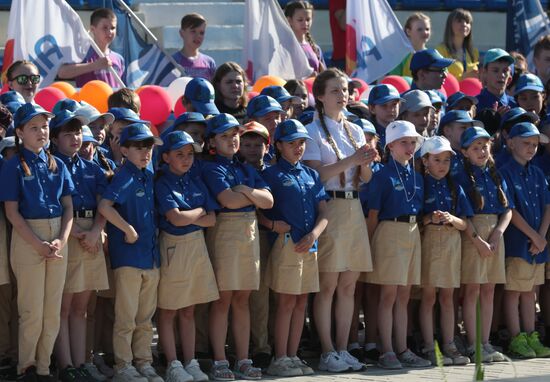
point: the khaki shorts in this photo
(291, 272)
(344, 244)
(85, 270)
(186, 275)
(397, 254)
(522, 276)
(478, 270)
(441, 256)
(4, 260)
(234, 248)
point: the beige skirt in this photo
(291, 272)
(478, 270)
(234, 248)
(85, 270)
(344, 244)
(4, 258)
(397, 254)
(186, 275)
(441, 256)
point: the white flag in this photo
(48, 33)
(376, 42)
(270, 45)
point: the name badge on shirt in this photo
(288, 183)
(89, 176)
(140, 193)
(28, 178)
(196, 195)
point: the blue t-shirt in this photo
(365, 187)
(438, 197)
(457, 164)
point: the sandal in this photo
(221, 372)
(245, 370)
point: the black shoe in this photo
(8, 370)
(71, 374)
(261, 360)
(46, 378)
(371, 356)
(29, 375)
(357, 353)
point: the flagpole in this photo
(151, 35)
(102, 55)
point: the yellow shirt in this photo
(457, 67)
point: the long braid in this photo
(52, 164)
(330, 140)
(311, 42)
(24, 164)
(452, 190)
(477, 197)
(104, 163)
(357, 174)
(493, 173)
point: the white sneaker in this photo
(149, 372)
(104, 369)
(176, 373)
(194, 369)
(128, 374)
(300, 363)
(351, 360)
(93, 372)
(283, 367)
(333, 363)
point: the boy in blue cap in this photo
(496, 73)
(530, 93)
(384, 104)
(199, 97)
(429, 70)
(122, 118)
(461, 101)
(281, 95)
(128, 205)
(267, 112)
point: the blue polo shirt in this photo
(530, 194)
(224, 173)
(437, 197)
(184, 193)
(131, 190)
(297, 191)
(390, 189)
(487, 188)
(381, 131)
(542, 161)
(503, 157)
(457, 164)
(89, 181)
(39, 195)
(486, 99)
(365, 187)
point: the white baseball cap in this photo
(436, 145)
(401, 129)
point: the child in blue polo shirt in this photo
(186, 275)
(86, 269)
(530, 94)
(525, 240)
(384, 103)
(395, 200)
(298, 217)
(281, 95)
(199, 97)
(128, 205)
(482, 242)
(496, 74)
(38, 204)
(233, 244)
(445, 210)
(122, 118)
(268, 113)
(461, 101)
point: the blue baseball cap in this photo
(136, 132)
(459, 96)
(177, 139)
(384, 93)
(515, 114)
(528, 81)
(366, 126)
(200, 93)
(125, 114)
(11, 96)
(261, 105)
(435, 99)
(471, 134)
(306, 117)
(65, 104)
(63, 117)
(88, 136)
(290, 130)
(496, 54)
(27, 112)
(190, 117)
(461, 116)
(526, 130)
(13, 106)
(221, 123)
(279, 93)
(429, 58)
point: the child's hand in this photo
(56, 246)
(131, 236)
(503, 109)
(494, 240)
(436, 217)
(538, 243)
(102, 63)
(484, 249)
(280, 226)
(45, 250)
(76, 232)
(361, 156)
(445, 217)
(90, 241)
(305, 243)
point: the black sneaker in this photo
(371, 356)
(28, 376)
(261, 360)
(357, 353)
(46, 378)
(70, 374)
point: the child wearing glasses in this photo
(23, 77)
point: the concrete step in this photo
(166, 13)
(217, 37)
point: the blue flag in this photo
(526, 23)
(146, 64)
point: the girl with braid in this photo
(338, 151)
(38, 204)
(482, 241)
(300, 17)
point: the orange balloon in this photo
(65, 87)
(264, 81)
(96, 93)
(76, 97)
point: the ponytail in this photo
(24, 165)
(475, 195)
(330, 140)
(105, 165)
(493, 173)
(52, 164)
(311, 43)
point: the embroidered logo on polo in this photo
(288, 183)
(28, 178)
(140, 192)
(397, 185)
(430, 200)
(89, 176)
(196, 194)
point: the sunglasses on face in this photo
(441, 71)
(24, 79)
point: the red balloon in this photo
(471, 86)
(5, 88)
(156, 104)
(179, 109)
(252, 94)
(154, 130)
(309, 84)
(48, 97)
(399, 82)
(442, 90)
(364, 86)
(451, 84)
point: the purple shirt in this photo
(312, 57)
(103, 75)
(202, 66)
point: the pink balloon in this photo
(451, 84)
(48, 97)
(252, 94)
(364, 87)
(309, 84)
(399, 82)
(471, 86)
(179, 109)
(442, 90)
(156, 104)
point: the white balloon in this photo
(176, 89)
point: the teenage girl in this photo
(23, 77)
(233, 244)
(339, 153)
(38, 204)
(300, 17)
(418, 29)
(230, 85)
